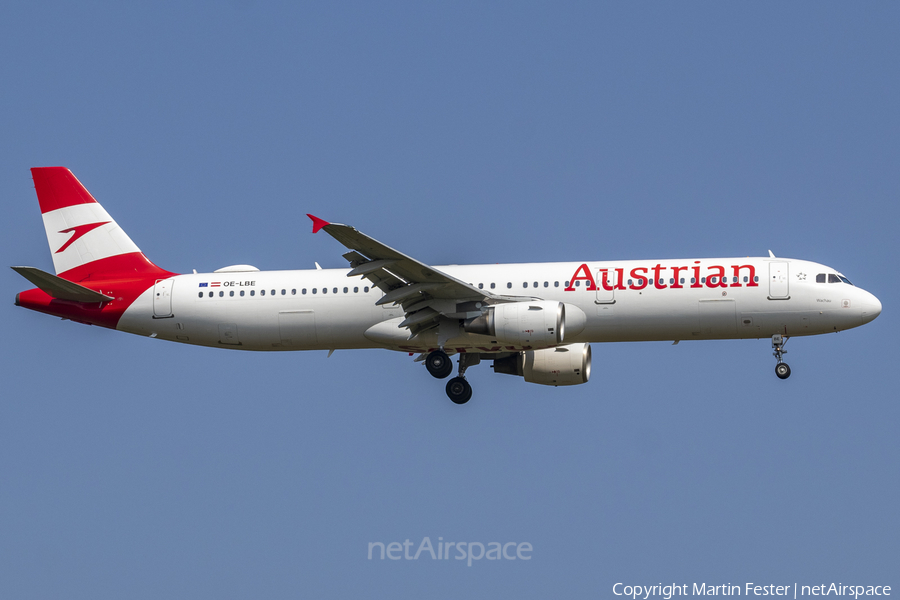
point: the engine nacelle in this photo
(539, 323)
(563, 365)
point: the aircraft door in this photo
(297, 328)
(228, 334)
(606, 296)
(162, 299)
(778, 281)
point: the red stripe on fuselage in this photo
(124, 277)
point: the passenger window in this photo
(201, 295)
(820, 278)
(252, 292)
(630, 282)
(493, 286)
(262, 292)
(231, 293)
(242, 292)
(578, 283)
(366, 289)
(546, 284)
(293, 292)
(334, 290)
(535, 284)
(832, 278)
(356, 290)
(681, 280)
(671, 281)
(567, 284)
(315, 290)
(283, 292)
(555, 284)
(693, 280)
(273, 292)
(509, 285)
(746, 279)
(756, 279)
(525, 284)
(324, 290)
(480, 286)
(210, 294)
(303, 291)
(221, 294)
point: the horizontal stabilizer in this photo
(59, 288)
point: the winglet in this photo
(317, 223)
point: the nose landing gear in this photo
(782, 370)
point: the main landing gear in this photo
(440, 366)
(459, 390)
(782, 370)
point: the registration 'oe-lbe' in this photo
(533, 320)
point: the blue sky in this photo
(457, 133)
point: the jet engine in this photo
(563, 365)
(539, 323)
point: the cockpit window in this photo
(845, 280)
(832, 278)
(820, 278)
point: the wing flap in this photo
(367, 267)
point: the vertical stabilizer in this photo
(85, 242)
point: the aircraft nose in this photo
(871, 308)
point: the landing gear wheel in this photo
(438, 364)
(459, 390)
(782, 370)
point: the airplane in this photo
(535, 320)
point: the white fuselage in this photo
(324, 309)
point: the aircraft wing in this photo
(424, 292)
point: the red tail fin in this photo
(86, 243)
